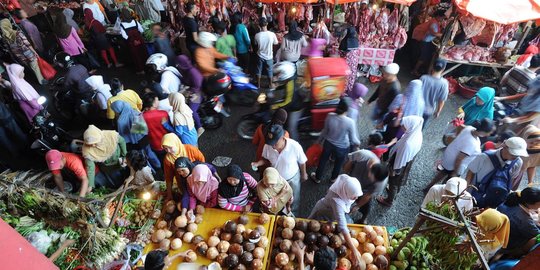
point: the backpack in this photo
(421, 30)
(495, 186)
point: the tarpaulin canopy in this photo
(334, 2)
(501, 11)
(402, 2)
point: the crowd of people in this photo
(157, 131)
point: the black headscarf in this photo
(184, 162)
(350, 41)
(125, 15)
(225, 189)
(155, 260)
(61, 28)
(293, 33)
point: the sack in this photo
(421, 30)
(139, 125)
(46, 69)
(313, 155)
(495, 186)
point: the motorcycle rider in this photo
(167, 76)
(192, 78)
(75, 76)
(206, 55)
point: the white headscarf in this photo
(348, 189)
(410, 143)
(182, 114)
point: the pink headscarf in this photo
(201, 182)
(22, 90)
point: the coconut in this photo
(212, 253)
(335, 241)
(344, 263)
(298, 235)
(264, 218)
(311, 238)
(263, 242)
(367, 257)
(159, 235)
(341, 251)
(191, 256)
(261, 229)
(192, 227)
(237, 238)
(254, 236)
(176, 244)
(287, 233)
(288, 222)
(327, 228)
(216, 232)
(258, 253)
(202, 248)
(236, 249)
(381, 261)
(285, 245)
(198, 219)
(161, 224)
(282, 259)
(188, 236)
(181, 221)
(199, 210)
(225, 236)
(197, 239)
(369, 248)
(223, 246)
(243, 219)
(378, 230)
(221, 257)
(213, 241)
(165, 244)
(179, 233)
(372, 235)
(248, 246)
(314, 226)
(168, 233)
(372, 267)
(231, 261)
(257, 264)
(378, 241)
(301, 225)
(380, 250)
(155, 214)
(240, 228)
(240, 267)
(362, 237)
(355, 242)
(246, 258)
(230, 226)
(323, 241)
(170, 207)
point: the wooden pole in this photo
(528, 28)
(472, 238)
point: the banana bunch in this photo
(414, 256)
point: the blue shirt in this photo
(433, 28)
(522, 226)
(242, 39)
(186, 135)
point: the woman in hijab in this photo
(193, 78)
(357, 93)
(134, 141)
(107, 148)
(182, 121)
(175, 149)
(98, 38)
(478, 107)
(67, 35)
(131, 31)
(336, 205)
(69, 19)
(103, 91)
(531, 134)
(292, 44)
(275, 194)
(236, 193)
(20, 48)
(411, 102)
(23, 92)
(495, 228)
(183, 169)
(349, 41)
(402, 156)
(202, 187)
(30, 29)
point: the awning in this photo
(17, 253)
(501, 11)
(402, 2)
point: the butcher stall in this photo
(483, 33)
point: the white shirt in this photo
(481, 165)
(170, 82)
(464, 143)
(159, 5)
(286, 162)
(266, 41)
(129, 25)
(436, 193)
(96, 12)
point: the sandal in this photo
(313, 177)
(383, 201)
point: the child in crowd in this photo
(375, 144)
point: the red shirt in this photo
(379, 150)
(74, 163)
(156, 130)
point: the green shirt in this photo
(226, 44)
(121, 151)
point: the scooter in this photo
(48, 135)
(243, 92)
(66, 102)
(212, 109)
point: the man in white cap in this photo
(453, 187)
(509, 155)
(388, 89)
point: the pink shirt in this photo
(72, 45)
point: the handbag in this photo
(313, 155)
(46, 69)
(139, 126)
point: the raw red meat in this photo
(381, 22)
(281, 18)
(393, 22)
(309, 13)
(472, 26)
(400, 38)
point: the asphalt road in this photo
(225, 142)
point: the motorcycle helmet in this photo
(159, 60)
(217, 84)
(283, 71)
(206, 39)
(63, 60)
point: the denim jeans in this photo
(339, 155)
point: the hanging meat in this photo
(309, 13)
(235, 7)
(352, 14)
(400, 38)
(364, 24)
(506, 33)
(472, 26)
(393, 23)
(381, 22)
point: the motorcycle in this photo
(48, 135)
(68, 104)
(212, 109)
(242, 92)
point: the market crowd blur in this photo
(156, 130)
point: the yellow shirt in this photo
(129, 96)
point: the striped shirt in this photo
(237, 203)
(517, 79)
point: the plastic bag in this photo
(313, 155)
(46, 69)
(139, 125)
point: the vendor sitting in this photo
(495, 228)
(202, 187)
(520, 207)
(454, 186)
(61, 163)
(206, 54)
(236, 192)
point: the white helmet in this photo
(284, 71)
(206, 39)
(159, 60)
